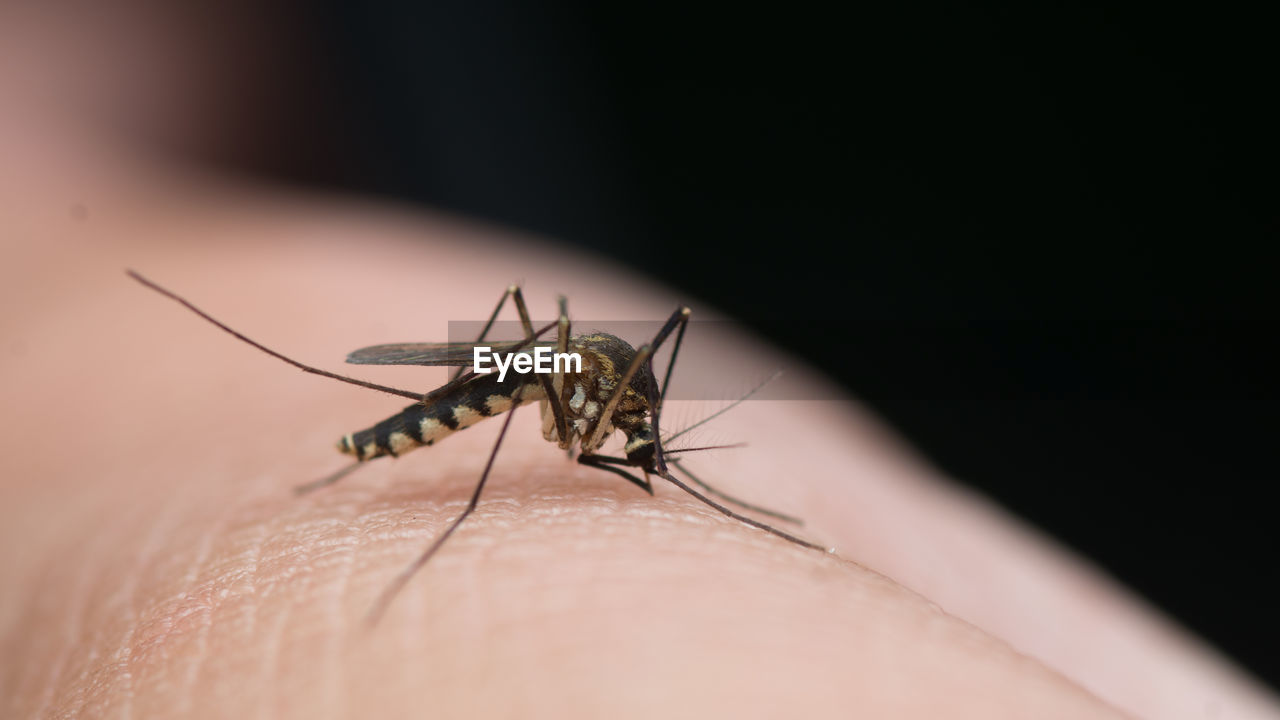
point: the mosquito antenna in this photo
(330, 479)
(724, 409)
(305, 368)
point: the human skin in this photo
(155, 563)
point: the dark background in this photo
(1040, 241)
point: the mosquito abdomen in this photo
(420, 424)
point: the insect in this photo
(614, 389)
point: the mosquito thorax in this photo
(605, 359)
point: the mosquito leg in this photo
(562, 347)
(548, 388)
(328, 479)
(522, 309)
(305, 368)
(603, 463)
(511, 290)
(743, 518)
(735, 501)
(681, 316)
(396, 585)
(656, 396)
(562, 342)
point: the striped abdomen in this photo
(419, 424)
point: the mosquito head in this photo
(640, 447)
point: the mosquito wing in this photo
(458, 354)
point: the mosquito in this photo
(615, 390)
